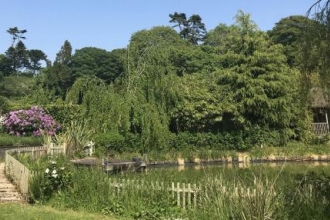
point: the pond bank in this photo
(242, 158)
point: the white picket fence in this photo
(19, 173)
(187, 195)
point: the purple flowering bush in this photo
(30, 122)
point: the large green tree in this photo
(17, 57)
(257, 81)
(316, 47)
(191, 29)
(91, 61)
(16, 34)
(35, 57)
(290, 32)
(59, 76)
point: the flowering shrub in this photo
(30, 122)
(55, 179)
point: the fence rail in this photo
(187, 195)
(320, 128)
(18, 173)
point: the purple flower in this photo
(28, 122)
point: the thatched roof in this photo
(319, 98)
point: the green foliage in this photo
(76, 136)
(192, 29)
(258, 81)
(310, 196)
(14, 87)
(4, 105)
(200, 109)
(165, 206)
(9, 140)
(236, 85)
(52, 177)
(64, 113)
(111, 141)
(90, 61)
(290, 31)
(59, 77)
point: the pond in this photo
(280, 172)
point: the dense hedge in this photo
(225, 141)
(64, 113)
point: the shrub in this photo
(112, 141)
(53, 180)
(10, 140)
(30, 122)
(64, 113)
(4, 105)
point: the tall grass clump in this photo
(95, 191)
(309, 196)
(239, 200)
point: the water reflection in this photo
(205, 166)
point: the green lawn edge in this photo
(15, 211)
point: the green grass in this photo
(293, 149)
(15, 211)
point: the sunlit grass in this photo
(15, 211)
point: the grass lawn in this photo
(15, 211)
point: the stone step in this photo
(9, 196)
(10, 199)
(6, 184)
(8, 191)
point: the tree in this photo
(17, 57)
(91, 61)
(200, 108)
(16, 34)
(5, 65)
(257, 79)
(59, 77)
(316, 47)
(151, 84)
(64, 56)
(35, 56)
(290, 32)
(193, 29)
(220, 37)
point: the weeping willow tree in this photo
(315, 58)
(151, 84)
(141, 102)
(103, 107)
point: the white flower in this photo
(47, 170)
(54, 175)
(90, 144)
(54, 172)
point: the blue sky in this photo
(109, 24)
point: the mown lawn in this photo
(16, 211)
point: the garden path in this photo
(8, 191)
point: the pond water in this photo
(280, 172)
